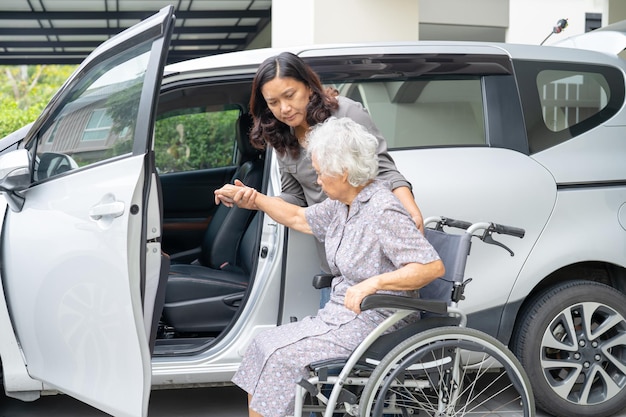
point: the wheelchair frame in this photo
(444, 326)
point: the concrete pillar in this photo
(307, 22)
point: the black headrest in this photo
(244, 124)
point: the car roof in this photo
(589, 47)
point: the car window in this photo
(98, 118)
(195, 138)
(563, 100)
(569, 97)
(421, 99)
(430, 112)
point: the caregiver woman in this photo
(287, 99)
(372, 245)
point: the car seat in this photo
(199, 299)
(204, 296)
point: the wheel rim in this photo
(583, 353)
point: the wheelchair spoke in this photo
(458, 372)
(478, 400)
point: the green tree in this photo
(195, 139)
(25, 90)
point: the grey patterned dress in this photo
(375, 236)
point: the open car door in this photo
(81, 256)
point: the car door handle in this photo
(112, 209)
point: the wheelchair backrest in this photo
(453, 250)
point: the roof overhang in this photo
(66, 31)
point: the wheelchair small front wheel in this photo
(448, 371)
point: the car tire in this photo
(571, 340)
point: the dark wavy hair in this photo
(266, 129)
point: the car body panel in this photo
(467, 188)
(583, 232)
(595, 157)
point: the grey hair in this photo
(342, 145)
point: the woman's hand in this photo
(356, 294)
(236, 194)
(405, 195)
(284, 213)
(409, 277)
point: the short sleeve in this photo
(401, 241)
(319, 217)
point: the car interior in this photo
(212, 248)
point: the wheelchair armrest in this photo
(408, 303)
(322, 281)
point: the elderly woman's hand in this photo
(236, 194)
(356, 294)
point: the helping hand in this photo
(236, 194)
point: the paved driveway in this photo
(205, 402)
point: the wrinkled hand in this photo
(236, 194)
(356, 294)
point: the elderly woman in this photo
(372, 245)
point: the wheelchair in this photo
(434, 367)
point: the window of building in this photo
(593, 21)
(99, 125)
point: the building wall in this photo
(305, 22)
(512, 21)
(475, 20)
(531, 21)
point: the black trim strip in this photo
(599, 184)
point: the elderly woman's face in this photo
(287, 99)
(334, 186)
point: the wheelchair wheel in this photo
(448, 371)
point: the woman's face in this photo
(287, 99)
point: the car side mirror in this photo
(15, 176)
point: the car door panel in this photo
(76, 269)
(188, 204)
(76, 304)
(462, 184)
